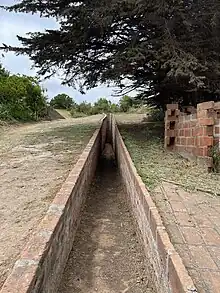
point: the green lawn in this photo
(145, 144)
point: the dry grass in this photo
(154, 164)
(35, 159)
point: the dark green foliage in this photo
(168, 49)
(84, 108)
(21, 97)
(101, 106)
(125, 103)
(3, 72)
(114, 108)
(62, 101)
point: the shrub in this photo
(76, 114)
(62, 101)
(21, 98)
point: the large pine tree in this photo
(166, 47)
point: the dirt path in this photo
(34, 161)
(106, 255)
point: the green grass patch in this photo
(154, 164)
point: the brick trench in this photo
(193, 224)
(107, 256)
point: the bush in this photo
(125, 103)
(75, 114)
(62, 101)
(156, 115)
(21, 98)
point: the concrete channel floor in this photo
(107, 256)
(192, 220)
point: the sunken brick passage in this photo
(170, 273)
(43, 260)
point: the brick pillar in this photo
(216, 130)
(171, 119)
(205, 128)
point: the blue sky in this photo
(18, 24)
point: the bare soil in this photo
(107, 256)
(35, 159)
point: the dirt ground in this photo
(34, 161)
(107, 256)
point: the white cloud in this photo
(19, 24)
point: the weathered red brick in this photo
(206, 105)
(208, 130)
(217, 106)
(193, 123)
(206, 141)
(155, 220)
(168, 112)
(206, 121)
(164, 246)
(181, 133)
(187, 132)
(199, 131)
(183, 141)
(171, 133)
(202, 114)
(172, 106)
(216, 130)
(178, 276)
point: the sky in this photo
(13, 24)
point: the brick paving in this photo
(192, 220)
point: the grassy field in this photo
(145, 144)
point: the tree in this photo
(115, 108)
(84, 108)
(102, 105)
(168, 50)
(3, 72)
(125, 103)
(62, 101)
(21, 97)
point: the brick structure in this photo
(171, 275)
(41, 264)
(193, 132)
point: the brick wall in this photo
(42, 262)
(193, 132)
(170, 273)
(217, 133)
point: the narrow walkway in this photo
(193, 223)
(106, 255)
